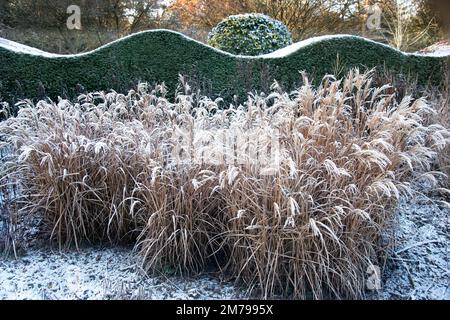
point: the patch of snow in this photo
(418, 267)
(281, 53)
(287, 51)
(97, 274)
(439, 49)
(284, 52)
(443, 51)
(21, 48)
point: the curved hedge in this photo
(160, 56)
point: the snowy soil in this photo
(98, 273)
(417, 268)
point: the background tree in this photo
(303, 17)
(439, 12)
(42, 23)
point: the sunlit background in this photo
(407, 25)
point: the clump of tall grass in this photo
(288, 194)
(314, 227)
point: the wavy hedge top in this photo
(161, 55)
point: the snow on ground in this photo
(419, 265)
(417, 268)
(98, 273)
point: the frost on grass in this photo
(420, 272)
(108, 169)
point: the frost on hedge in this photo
(250, 34)
(158, 56)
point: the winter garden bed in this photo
(291, 195)
(419, 271)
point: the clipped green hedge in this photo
(160, 56)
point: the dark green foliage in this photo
(250, 34)
(160, 56)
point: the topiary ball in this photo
(250, 34)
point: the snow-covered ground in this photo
(417, 269)
(98, 273)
